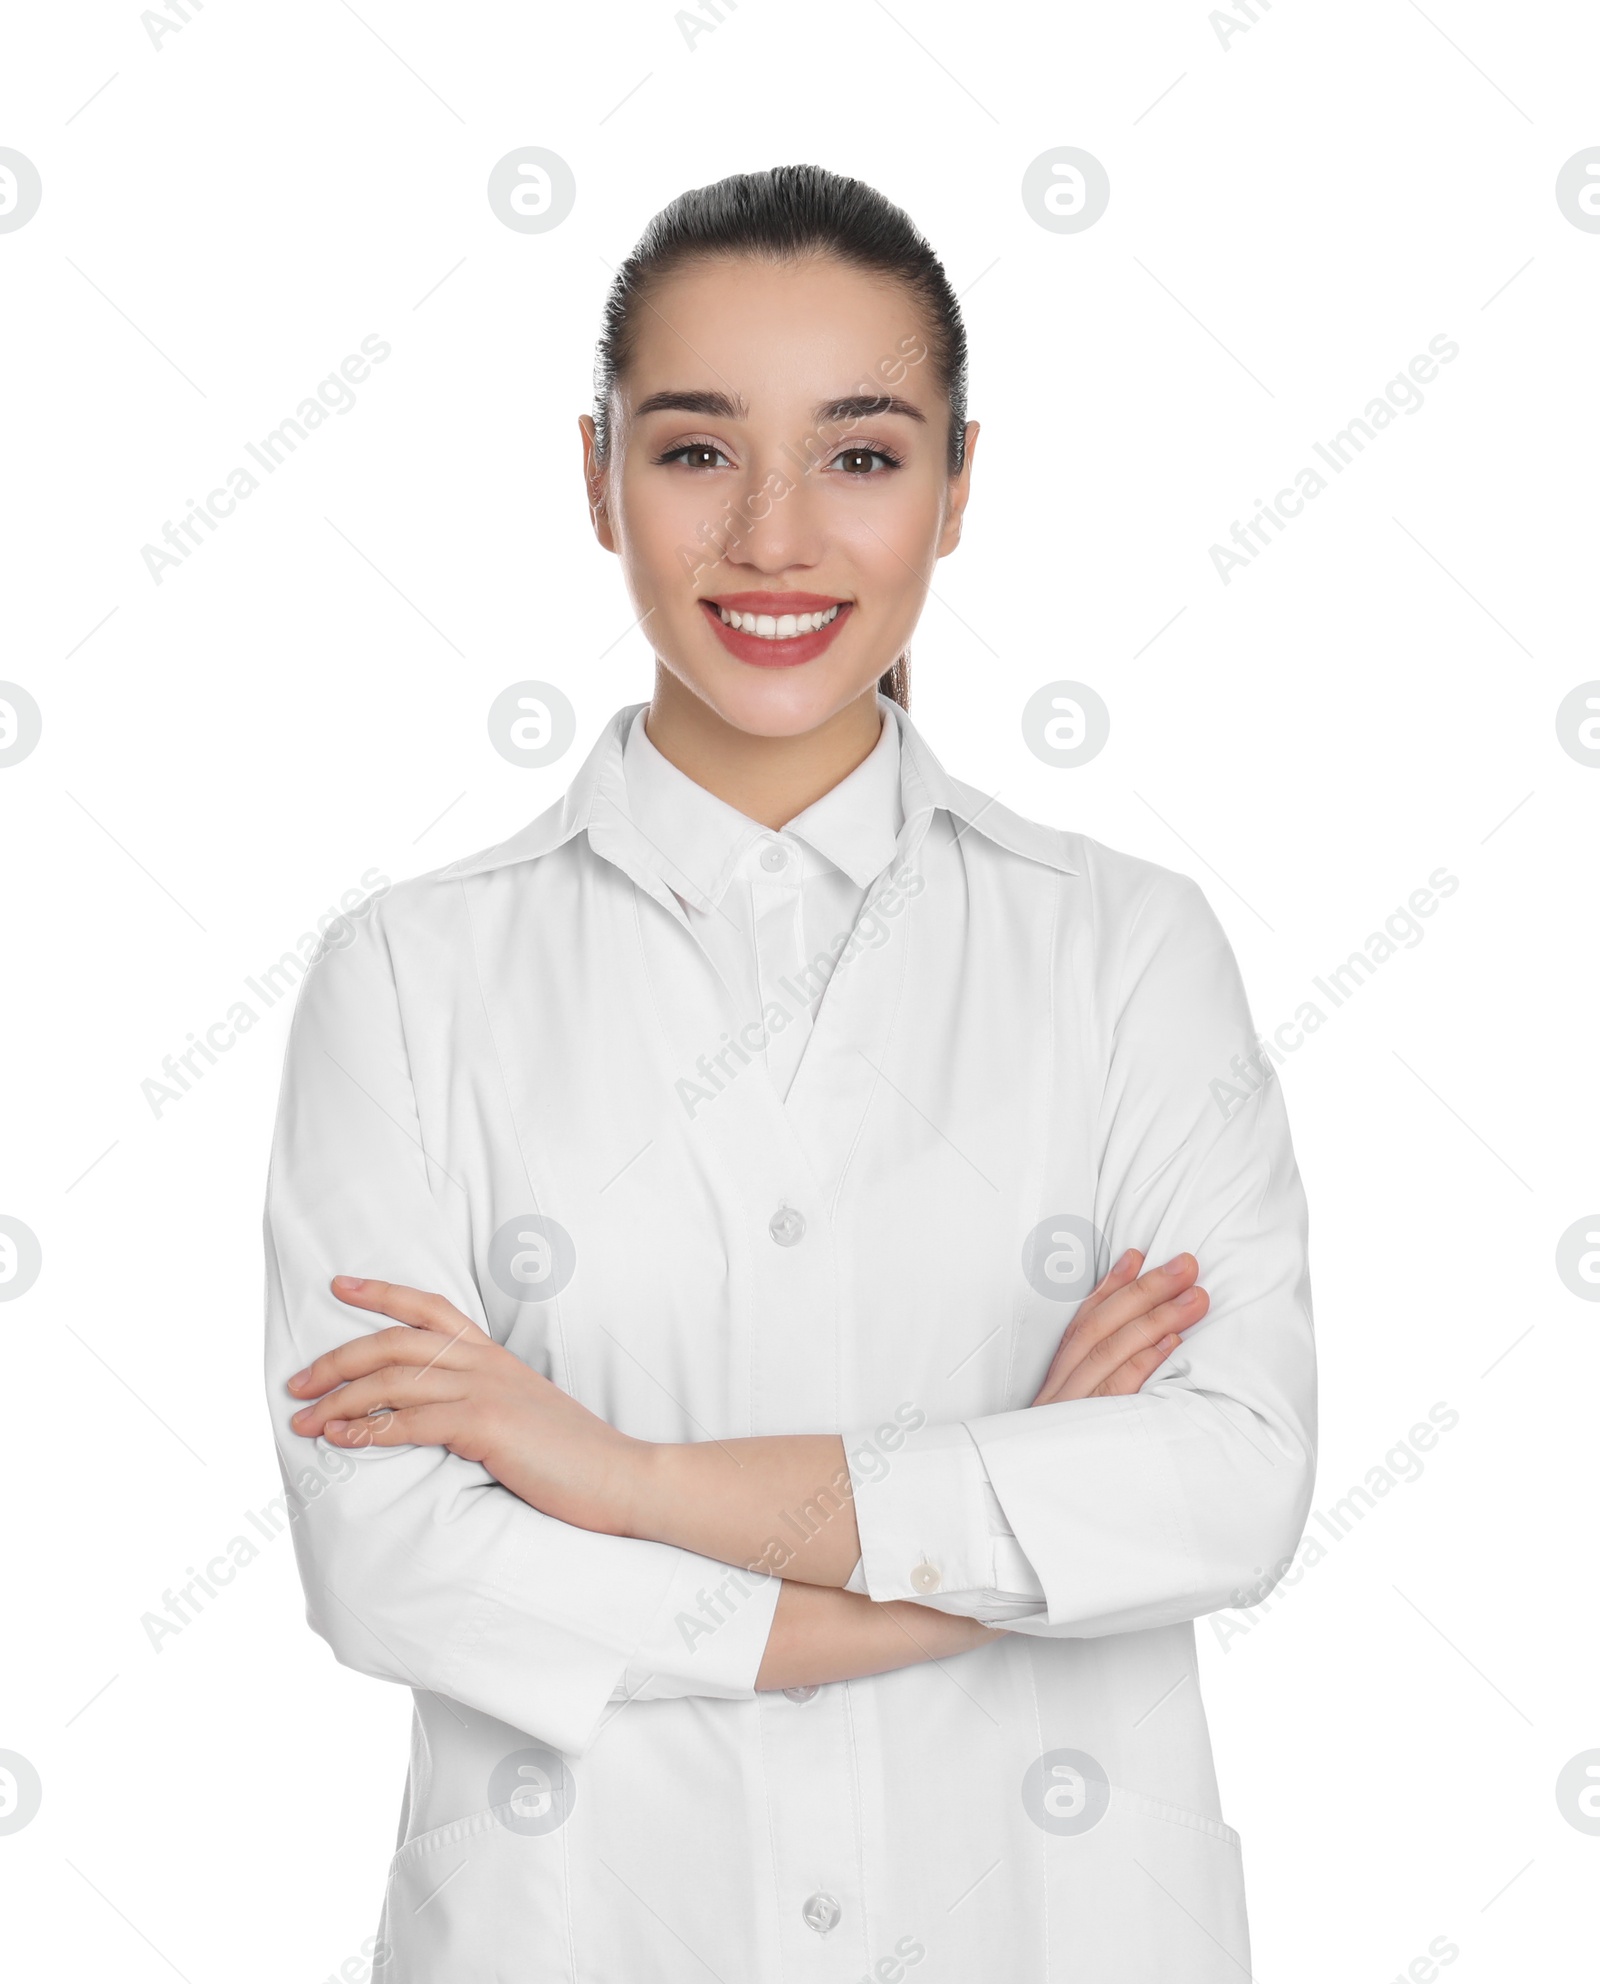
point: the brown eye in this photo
(693, 454)
(859, 461)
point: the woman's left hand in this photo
(439, 1381)
(1125, 1329)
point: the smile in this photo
(776, 629)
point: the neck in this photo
(769, 779)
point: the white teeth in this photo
(779, 627)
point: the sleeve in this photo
(1136, 1512)
(708, 1635)
(953, 1529)
(418, 1566)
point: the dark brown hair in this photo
(782, 214)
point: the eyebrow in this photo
(729, 406)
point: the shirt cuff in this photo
(933, 1530)
(707, 1637)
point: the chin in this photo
(785, 702)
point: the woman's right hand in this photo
(1124, 1329)
(820, 1633)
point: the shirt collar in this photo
(696, 838)
(856, 824)
(701, 838)
(597, 803)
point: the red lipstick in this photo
(764, 652)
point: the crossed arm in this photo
(438, 1380)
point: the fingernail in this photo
(1174, 1264)
(1187, 1299)
(1127, 1260)
(349, 1281)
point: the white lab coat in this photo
(496, 1088)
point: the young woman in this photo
(785, 1592)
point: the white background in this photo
(226, 752)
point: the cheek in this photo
(661, 521)
(892, 545)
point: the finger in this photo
(1108, 1356)
(1137, 1295)
(1122, 1306)
(1091, 1371)
(363, 1354)
(1130, 1376)
(394, 1386)
(416, 1306)
(1116, 1276)
(409, 1426)
(1121, 1271)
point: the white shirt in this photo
(537, 1082)
(771, 911)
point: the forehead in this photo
(779, 334)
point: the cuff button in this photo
(925, 1577)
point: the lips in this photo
(759, 641)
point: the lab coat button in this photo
(821, 1913)
(774, 856)
(787, 1226)
(800, 1694)
(925, 1577)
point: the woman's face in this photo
(777, 484)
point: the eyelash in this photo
(887, 455)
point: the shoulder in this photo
(1130, 897)
(356, 952)
(1115, 896)
(1163, 970)
(1140, 942)
(432, 904)
(1105, 890)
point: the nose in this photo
(783, 524)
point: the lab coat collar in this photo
(926, 787)
(596, 803)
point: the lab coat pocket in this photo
(1176, 1815)
(1151, 1893)
(459, 1901)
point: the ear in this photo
(595, 481)
(959, 490)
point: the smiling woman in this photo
(843, 416)
(790, 1516)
